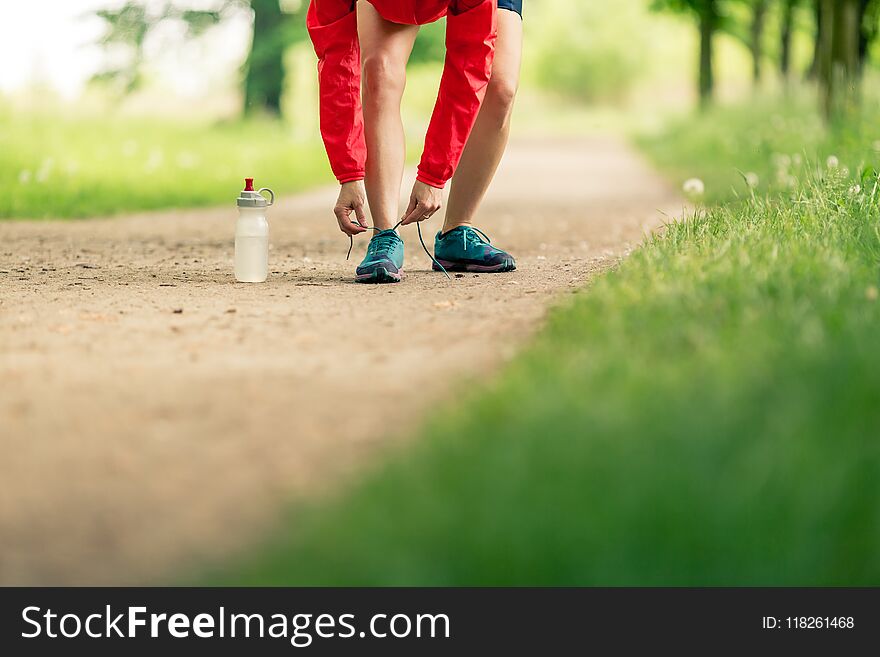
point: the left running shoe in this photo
(384, 260)
(466, 248)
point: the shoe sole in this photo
(506, 266)
(380, 276)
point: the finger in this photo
(423, 214)
(416, 214)
(347, 229)
(361, 215)
(346, 225)
(350, 228)
(342, 220)
(409, 209)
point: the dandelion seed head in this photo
(782, 160)
(694, 187)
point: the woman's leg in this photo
(487, 142)
(385, 50)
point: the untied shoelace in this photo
(399, 223)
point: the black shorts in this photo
(512, 5)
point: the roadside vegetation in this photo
(768, 146)
(706, 414)
(59, 166)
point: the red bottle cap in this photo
(248, 184)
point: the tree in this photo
(127, 29)
(746, 21)
(709, 20)
(264, 68)
(813, 73)
(869, 28)
(129, 26)
(839, 55)
(786, 33)
(868, 31)
(756, 37)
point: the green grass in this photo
(57, 165)
(782, 143)
(707, 414)
(83, 162)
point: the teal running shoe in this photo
(466, 248)
(384, 260)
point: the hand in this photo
(423, 202)
(352, 198)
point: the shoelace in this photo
(467, 232)
(424, 246)
(382, 243)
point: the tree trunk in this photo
(868, 29)
(264, 69)
(839, 57)
(787, 32)
(813, 73)
(708, 25)
(757, 35)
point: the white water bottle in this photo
(252, 235)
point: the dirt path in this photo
(153, 413)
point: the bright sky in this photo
(50, 41)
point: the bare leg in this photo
(487, 142)
(385, 50)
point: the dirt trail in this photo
(153, 413)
